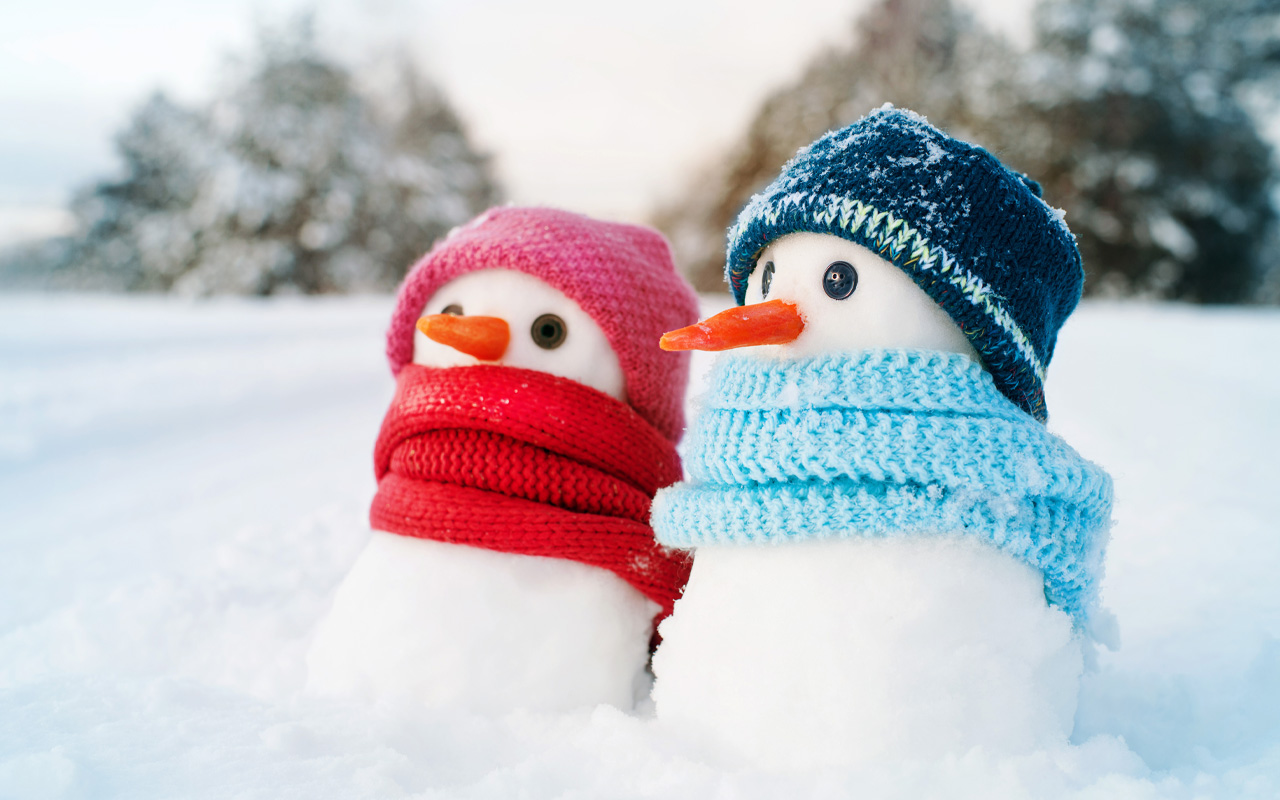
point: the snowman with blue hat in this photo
(894, 558)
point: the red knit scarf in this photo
(525, 462)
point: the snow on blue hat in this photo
(972, 233)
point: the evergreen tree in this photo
(136, 233)
(1144, 136)
(1139, 117)
(294, 179)
(927, 55)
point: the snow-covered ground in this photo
(183, 485)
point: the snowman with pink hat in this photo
(511, 564)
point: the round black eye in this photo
(839, 280)
(766, 280)
(548, 331)
(454, 309)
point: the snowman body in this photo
(856, 650)
(441, 624)
(423, 622)
(851, 648)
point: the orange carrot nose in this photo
(774, 322)
(486, 338)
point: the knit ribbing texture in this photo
(525, 462)
(883, 444)
(972, 233)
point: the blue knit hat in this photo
(971, 232)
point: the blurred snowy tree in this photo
(926, 55)
(1145, 129)
(295, 179)
(1138, 116)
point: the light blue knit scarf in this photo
(886, 443)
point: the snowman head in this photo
(554, 291)
(815, 294)
(971, 235)
(501, 316)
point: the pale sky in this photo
(599, 107)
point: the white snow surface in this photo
(183, 487)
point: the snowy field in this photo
(182, 487)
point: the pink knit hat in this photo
(621, 275)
